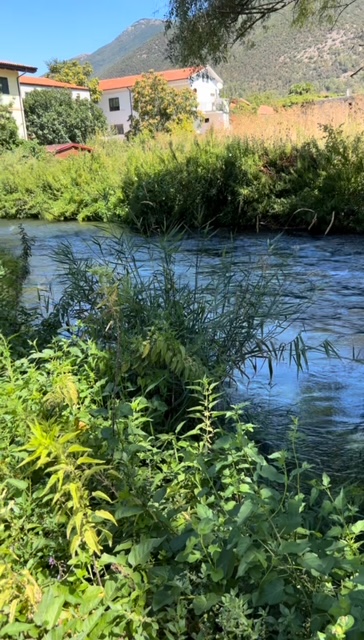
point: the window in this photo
(119, 129)
(207, 120)
(114, 104)
(4, 85)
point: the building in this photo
(10, 92)
(68, 149)
(28, 84)
(117, 96)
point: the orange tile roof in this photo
(14, 66)
(48, 82)
(129, 81)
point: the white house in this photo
(27, 84)
(117, 96)
(10, 92)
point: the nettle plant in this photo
(113, 529)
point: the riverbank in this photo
(228, 183)
(135, 502)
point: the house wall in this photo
(207, 89)
(76, 93)
(14, 99)
(120, 117)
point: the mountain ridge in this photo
(277, 57)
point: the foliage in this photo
(52, 117)
(15, 319)
(203, 30)
(113, 529)
(9, 136)
(194, 181)
(301, 89)
(160, 107)
(73, 72)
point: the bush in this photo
(53, 117)
(112, 530)
(231, 183)
(9, 136)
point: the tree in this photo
(53, 117)
(74, 72)
(160, 107)
(203, 30)
(9, 136)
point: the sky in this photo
(34, 31)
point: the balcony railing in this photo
(219, 104)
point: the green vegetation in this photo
(134, 502)
(73, 72)
(274, 57)
(203, 31)
(9, 136)
(158, 184)
(54, 117)
(161, 108)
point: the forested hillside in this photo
(276, 57)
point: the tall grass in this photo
(227, 182)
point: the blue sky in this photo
(33, 31)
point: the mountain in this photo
(128, 41)
(277, 57)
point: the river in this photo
(327, 399)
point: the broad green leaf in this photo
(271, 473)
(128, 511)
(205, 602)
(358, 527)
(49, 609)
(15, 628)
(162, 598)
(140, 553)
(245, 511)
(18, 484)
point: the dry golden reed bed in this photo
(300, 122)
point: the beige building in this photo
(10, 94)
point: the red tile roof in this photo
(14, 66)
(48, 82)
(172, 75)
(66, 146)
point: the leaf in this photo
(91, 540)
(18, 484)
(49, 609)
(15, 628)
(105, 515)
(204, 603)
(326, 480)
(140, 553)
(162, 598)
(128, 511)
(358, 527)
(101, 495)
(271, 473)
(245, 511)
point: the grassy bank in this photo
(134, 502)
(224, 182)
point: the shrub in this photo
(52, 117)
(110, 529)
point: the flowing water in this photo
(327, 399)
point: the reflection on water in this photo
(328, 399)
